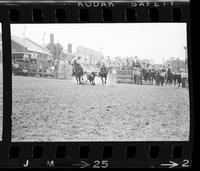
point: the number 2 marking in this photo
(96, 165)
(185, 163)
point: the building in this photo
(175, 63)
(158, 66)
(67, 56)
(19, 44)
(87, 56)
(69, 48)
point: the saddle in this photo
(103, 70)
(77, 68)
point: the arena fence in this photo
(128, 76)
(65, 72)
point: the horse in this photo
(177, 79)
(78, 73)
(147, 75)
(169, 77)
(157, 77)
(103, 74)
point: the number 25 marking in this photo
(100, 164)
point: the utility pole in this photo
(43, 56)
(58, 60)
(185, 47)
(26, 62)
(178, 64)
(24, 38)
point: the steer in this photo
(91, 77)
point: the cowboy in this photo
(133, 64)
(103, 68)
(169, 68)
(157, 76)
(75, 65)
(178, 75)
(162, 76)
(137, 63)
(123, 67)
(183, 78)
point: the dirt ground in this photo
(61, 110)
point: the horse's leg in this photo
(76, 79)
(102, 80)
(79, 78)
(105, 79)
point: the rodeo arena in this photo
(82, 95)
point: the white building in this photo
(88, 56)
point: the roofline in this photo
(47, 52)
(38, 45)
(21, 52)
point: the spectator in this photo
(137, 64)
(133, 63)
(183, 78)
(162, 77)
(179, 78)
(157, 77)
(123, 66)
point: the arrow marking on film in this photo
(171, 164)
(82, 164)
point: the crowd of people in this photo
(164, 75)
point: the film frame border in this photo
(24, 151)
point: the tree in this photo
(56, 50)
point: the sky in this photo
(153, 41)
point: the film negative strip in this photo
(96, 84)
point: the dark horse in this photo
(103, 74)
(169, 77)
(78, 73)
(148, 75)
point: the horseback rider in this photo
(103, 68)
(169, 75)
(138, 64)
(77, 71)
(169, 68)
(75, 65)
(103, 73)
